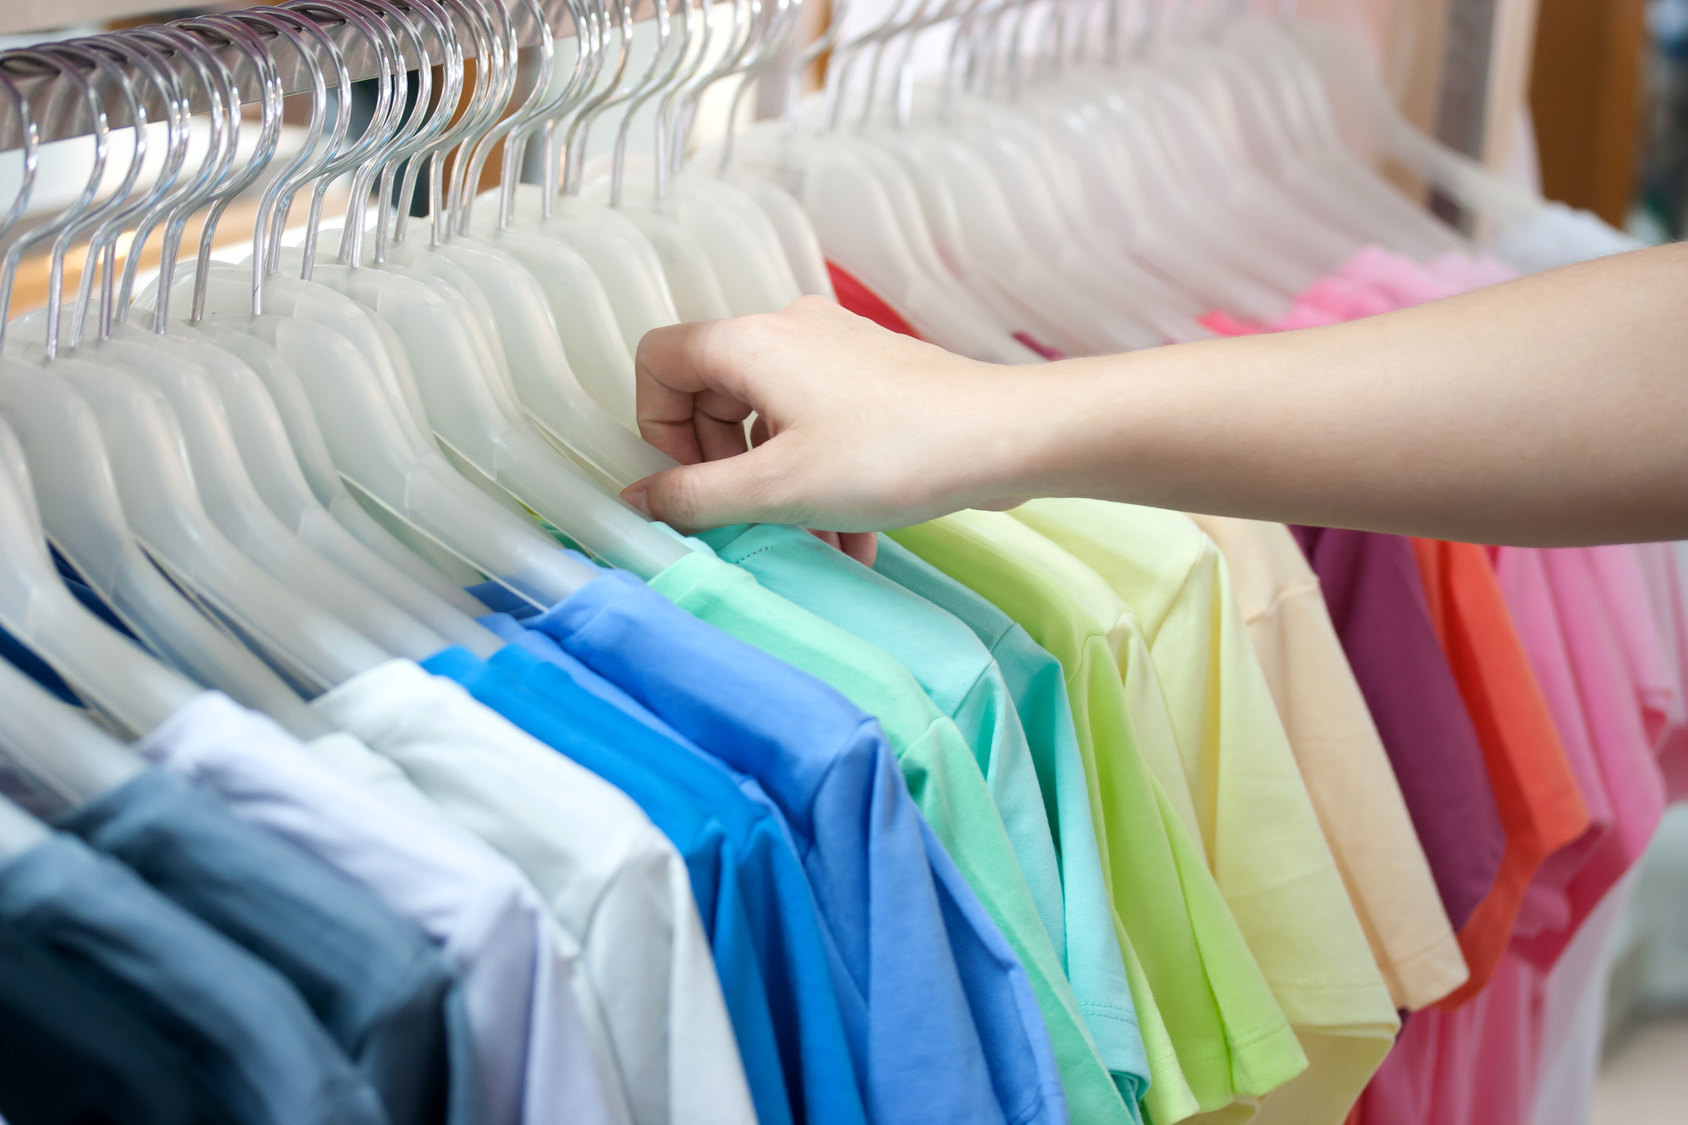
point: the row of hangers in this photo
(280, 473)
(1104, 174)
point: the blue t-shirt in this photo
(793, 953)
(900, 914)
(603, 739)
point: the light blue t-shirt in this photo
(931, 988)
(545, 702)
(1038, 687)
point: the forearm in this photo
(1552, 410)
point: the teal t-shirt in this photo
(1037, 686)
(957, 674)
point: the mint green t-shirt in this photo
(937, 762)
(1035, 683)
(945, 658)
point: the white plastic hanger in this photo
(483, 428)
(60, 759)
(103, 667)
(85, 523)
(366, 419)
(194, 415)
(236, 593)
(735, 234)
(528, 369)
(232, 402)
(612, 244)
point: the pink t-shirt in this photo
(1618, 572)
(1397, 277)
(1661, 568)
(1612, 701)
(1524, 585)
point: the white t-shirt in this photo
(611, 878)
(533, 1055)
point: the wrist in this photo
(1057, 427)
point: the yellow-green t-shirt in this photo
(1263, 839)
(1211, 1027)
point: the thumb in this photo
(711, 493)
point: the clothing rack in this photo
(59, 117)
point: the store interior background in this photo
(1585, 101)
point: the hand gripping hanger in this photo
(133, 691)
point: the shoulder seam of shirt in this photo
(648, 834)
(1282, 596)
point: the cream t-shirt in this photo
(1253, 812)
(1342, 759)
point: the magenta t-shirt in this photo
(1371, 585)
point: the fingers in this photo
(711, 493)
(686, 399)
(863, 546)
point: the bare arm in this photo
(1551, 410)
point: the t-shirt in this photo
(1263, 839)
(694, 815)
(1342, 760)
(1013, 871)
(779, 918)
(251, 1047)
(609, 876)
(942, 1019)
(943, 655)
(1535, 791)
(1211, 1028)
(531, 1051)
(1094, 962)
(1523, 583)
(70, 1053)
(1612, 701)
(1666, 589)
(372, 979)
(1376, 601)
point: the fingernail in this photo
(636, 497)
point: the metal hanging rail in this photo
(60, 117)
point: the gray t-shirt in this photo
(248, 1044)
(374, 981)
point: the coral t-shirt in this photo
(1541, 808)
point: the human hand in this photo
(857, 429)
